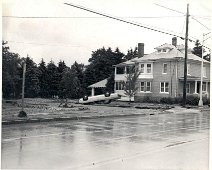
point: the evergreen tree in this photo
(53, 79)
(11, 80)
(131, 54)
(32, 86)
(43, 79)
(71, 85)
(197, 50)
(61, 66)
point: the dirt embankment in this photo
(53, 108)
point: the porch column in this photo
(115, 70)
(92, 91)
(125, 70)
(195, 87)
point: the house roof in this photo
(173, 53)
(129, 62)
(100, 84)
(165, 46)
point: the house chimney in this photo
(140, 50)
(174, 41)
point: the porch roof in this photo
(193, 78)
(100, 84)
(129, 62)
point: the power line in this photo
(45, 44)
(200, 23)
(125, 21)
(159, 28)
(170, 9)
(54, 17)
(118, 19)
(192, 16)
(202, 17)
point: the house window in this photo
(119, 86)
(142, 86)
(146, 86)
(164, 87)
(188, 88)
(165, 68)
(188, 69)
(204, 71)
(164, 50)
(204, 89)
(149, 68)
(142, 68)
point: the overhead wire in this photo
(64, 17)
(118, 19)
(125, 21)
(115, 18)
(200, 23)
(170, 9)
(45, 44)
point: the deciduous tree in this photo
(130, 85)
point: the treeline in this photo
(48, 80)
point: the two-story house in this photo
(162, 73)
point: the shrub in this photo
(178, 100)
(146, 99)
(167, 100)
(192, 100)
(206, 100)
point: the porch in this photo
(193, 86)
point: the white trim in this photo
(145, 68)
(145, 87)
(164, 88)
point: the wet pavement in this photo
(162, 141)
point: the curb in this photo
(65, 118)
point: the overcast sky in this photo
(74, 39)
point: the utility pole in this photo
(186, 55)
(23, 84)
(200, 104)
(22, 113)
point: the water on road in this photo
(164, 141)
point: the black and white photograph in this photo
(106, 84)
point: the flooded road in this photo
(165, 141)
